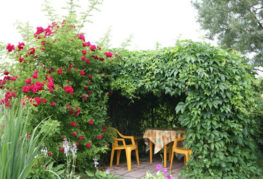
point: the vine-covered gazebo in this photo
(206, 90)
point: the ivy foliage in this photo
(217, 107)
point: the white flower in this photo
(66, 147)
(96, 163)
(74, 150)
(44, 150)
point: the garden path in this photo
(139, 171)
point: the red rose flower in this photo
(35, 75)
(82, 72)
(86, 44)
(77, 144)
(108, 54)
(81, 137)
(84, 52)
(43, 100)
(74, 133)
(69, 89)
(82, 37)
(83, 58)
(84, 96)
(92, 47)
(31, 51)
(10, 47)
(21, 59)
(116, 54)
(63, 137)
(89, 83)
(50, 70)
(51, 86)
(104, 128)
(88, 145)
(40, 30)
(28, 81)
(60, 70)
(6, 73)
(20, 45)
(50, 154)
(68, 106)
(99, 137)
(91, 122)
(73, 124)
(37, 100)
(88, 61)
(25, 89)
(53, 103)
(28, 136)
(90, 76)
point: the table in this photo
(162, 137)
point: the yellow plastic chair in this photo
(180, 150)
(128, 149)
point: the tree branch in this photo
(256, 19)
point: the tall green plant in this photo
(18, 149)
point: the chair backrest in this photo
(114, 132)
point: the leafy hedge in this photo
(217, 107)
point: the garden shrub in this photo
(216, 110)
(61, 75)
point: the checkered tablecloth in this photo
(161, 137)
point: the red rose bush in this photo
(56, 74)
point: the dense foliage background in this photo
(214, 99)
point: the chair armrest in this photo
(129, 137)
(180, 139)
(121, 140)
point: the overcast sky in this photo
(148, 21)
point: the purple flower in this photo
(168, 177)
(165, 170)
(158, 167)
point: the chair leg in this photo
(151, 151)
(118, 157)
(128, 158)
(172, 158)
(170, 150)
(187, 158)
(111, 157)
(165, 156)
(137, 156)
